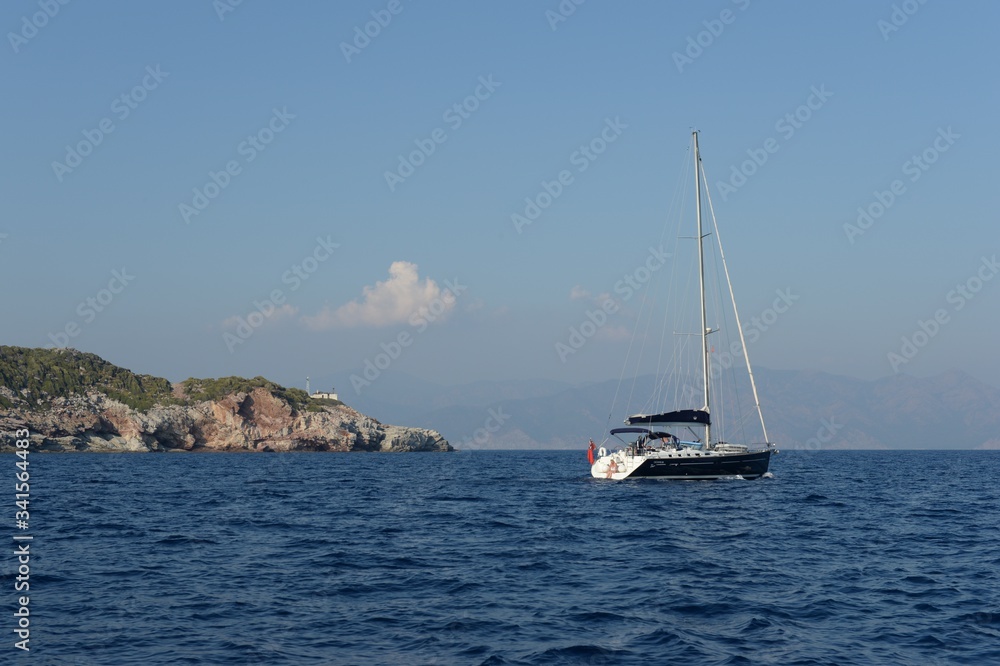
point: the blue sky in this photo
(333, 128)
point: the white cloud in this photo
(578, 293)
(393, 301)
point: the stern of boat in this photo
(623, 466)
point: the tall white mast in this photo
(701, 281)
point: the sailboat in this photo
(651, 446)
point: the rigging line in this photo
(676, 212)
(739, 325)
(660, 384)
(680, 189)
(682, 359)
(614, 400)
(738, 417)
(621, 377)
(655, 288)
(645, 336)
(742, 418)
(686, 356)
(692, 360)
(635, 333)
(642, 311)
(722, 401)
(621, 380)
(654, 301)
(739, 423)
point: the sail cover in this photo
(653, 434)
(679, 418)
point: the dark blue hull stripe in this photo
(749, 466)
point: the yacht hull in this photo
(751, 465)
(747, 465)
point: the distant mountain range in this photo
(803, 409)
(814, 410)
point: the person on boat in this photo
(669, 440)
(590, 452)
(612, 468)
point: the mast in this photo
(701, 283)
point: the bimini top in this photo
(680, 418)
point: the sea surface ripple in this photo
(508, 558)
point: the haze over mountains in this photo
(803, 409)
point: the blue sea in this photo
(507, 558)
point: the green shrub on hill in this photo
(317, 404)
(38, 376)
(197, 390)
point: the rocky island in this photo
(74, 401)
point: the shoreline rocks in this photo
(254, 421)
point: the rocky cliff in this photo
(259, 418)
(253, 421)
